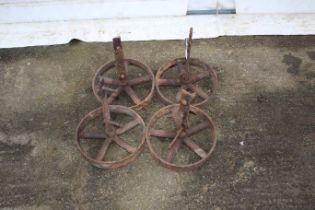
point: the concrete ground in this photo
(264, 110)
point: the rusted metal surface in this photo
(107, 89)
(186, 79)
(111, 134)
(112, 131)
(103, 83)
(182, 135)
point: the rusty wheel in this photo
(186, 73)
(114, 134)
(186, 142)
(204, 75)
(124, 76)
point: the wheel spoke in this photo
(199, 77)
(170, 82)
(109, 81)
(116, 124)
(172, 151)
(114, 95)
(92, 136)
(133, 95)
(124, 145)
(162, 133)
(104, 88)
(195, 147)
(140, 80)
(127, 126)
(102, 152)
(199, 91)
(178, 133)
(190, 131)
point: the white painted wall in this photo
(19, 35)
(18, 11)
(274, 6)
(20, 28)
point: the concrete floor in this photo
(264, 110)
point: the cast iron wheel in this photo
(189, 82)
(179, 138)
(110, 135)
(104, 82)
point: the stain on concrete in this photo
(293, 63)
(245, 172)
(14, 152)
(311, 55)
(261, 98)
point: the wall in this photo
(47, 22)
